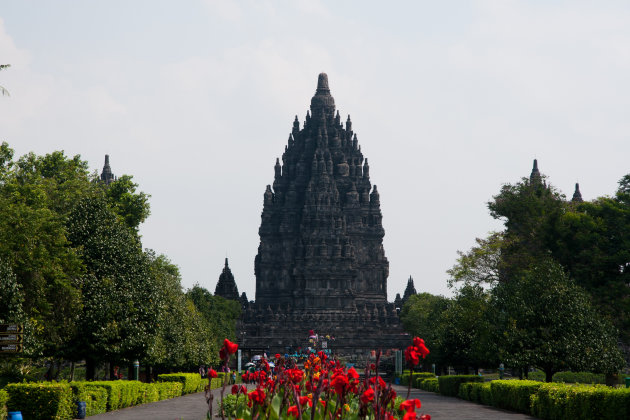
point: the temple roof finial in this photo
(577, 195)
(322, 83)
(535, 175)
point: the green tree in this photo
(421, 316)
(480, 265)
(220, 314)
(183, 339)
(131, 206)
(546, 321)
(121, 299)
(465, 329)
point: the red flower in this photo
(418, 343)
(296, 375)
(257, 396)
(411, 415)
(352, 373)
(340, 382)
(425, 417)
(243, 390)
(410, 405)
(231, 347)
(278, 355)
(411, 356)
(293, 411)
(305, 400)
(367, 396)
(212, 373)
(372, 367)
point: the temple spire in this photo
(107, 176)
(226, 286)
(535, 175)
(577, 195)
(322, 104)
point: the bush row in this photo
(4, 397)
(417, 377)
(57, 400)
(430, 384)
(449, 384)
(570, 377)
(551, 401)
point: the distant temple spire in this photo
(226, 286)
(409, 291)
(535, 175)
(107, 176)
(577, 195)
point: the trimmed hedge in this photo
(167, 390)
(580, 377)
(449, 384)
(430, 385)
(4, 397)
(559, 401)
(404, 378)
(514, 394)
(95, 397)
(120, 394)
(191, 382)
(41, 400)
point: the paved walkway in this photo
(193, 407)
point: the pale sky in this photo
(196, 99)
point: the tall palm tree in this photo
(3, 91)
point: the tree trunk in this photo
(71, 371)
(548, 375)
(90, 369)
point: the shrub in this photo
(229, 404)
(4, 397)
(421, 376)
(41, 400)
(464, 391)
(580, 377)
(449, 385)
(168, 390)
(485, 393)
(430, 385)
(560, 401)
(95, 397)
(120, 394)
(514, 394)
(191, 382)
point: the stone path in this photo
(193, 407)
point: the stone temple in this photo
(321, 265)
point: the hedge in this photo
(4, 397)
(41, 400)
(191, 382)
(95, 397)
(404, 378)
(449, 384)
(421, 376)
(430, 385)
(514, 394)
(580, 377)
(559, 401)
(120, 394)
(167, 390)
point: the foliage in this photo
(546, 321)
(131, 206)
(183, 340)
(431, 385)
(449, 384)
(3, 91)
(191, 382)
(121, 299)
(95, 397)
(41, 400)
(168, 390)
(220, 314)
(421, 316)
(514, 394)
(481, 264)
(579, 378)
(558, 401)
(478, 392)
(4, 398)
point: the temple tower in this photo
(107, 176)
(226, 286)
(321, 255)
(577, 195)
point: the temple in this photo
(321, 264)
(226, 286)
(107, 176)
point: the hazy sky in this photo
(196, 100)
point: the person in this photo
(233, 378)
